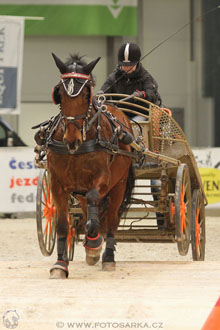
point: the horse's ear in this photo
(89, 67)
(61, 66)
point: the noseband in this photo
(70, 92)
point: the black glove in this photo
(140, 94)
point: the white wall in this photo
(40, 75)
(179, 79)
(31, 115)
(167, 63)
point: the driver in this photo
(131, 77)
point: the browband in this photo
(75, 75)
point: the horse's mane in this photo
(76, 58)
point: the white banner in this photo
(207, 157)
(11, 58)
(18, 177)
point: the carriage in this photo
(168, 201)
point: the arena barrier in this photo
(19, 176)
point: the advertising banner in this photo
(211, 183)
(208, 161)
(11, 55)
(76, 17)
(18, 177)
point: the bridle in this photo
(70, 92)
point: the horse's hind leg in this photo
(108, 260)
(93, 239)
(116, 197)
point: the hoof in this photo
(108, 266)
(57, 274)
(59, 270)
(93, 248)
(92, 260)
(92, 256)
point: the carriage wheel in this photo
(45, 215)
(183, 209)
(70, 240)
(198, 226)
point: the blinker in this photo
(74, 82)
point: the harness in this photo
(97, 144)
(69, 80)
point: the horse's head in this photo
(75, 93)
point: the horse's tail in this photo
(128, 192)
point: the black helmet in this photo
(129, 54)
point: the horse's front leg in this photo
(60, 268)
(93, 239)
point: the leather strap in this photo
(90, 146)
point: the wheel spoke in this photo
(202, 221)
(44, 194)
(43, 203)
(186, 186)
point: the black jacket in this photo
(140, 80)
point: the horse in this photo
(92, 172)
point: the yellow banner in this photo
(211, 183)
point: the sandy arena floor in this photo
(153, 286)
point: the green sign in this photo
(76, 17)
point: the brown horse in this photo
(90, 165)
